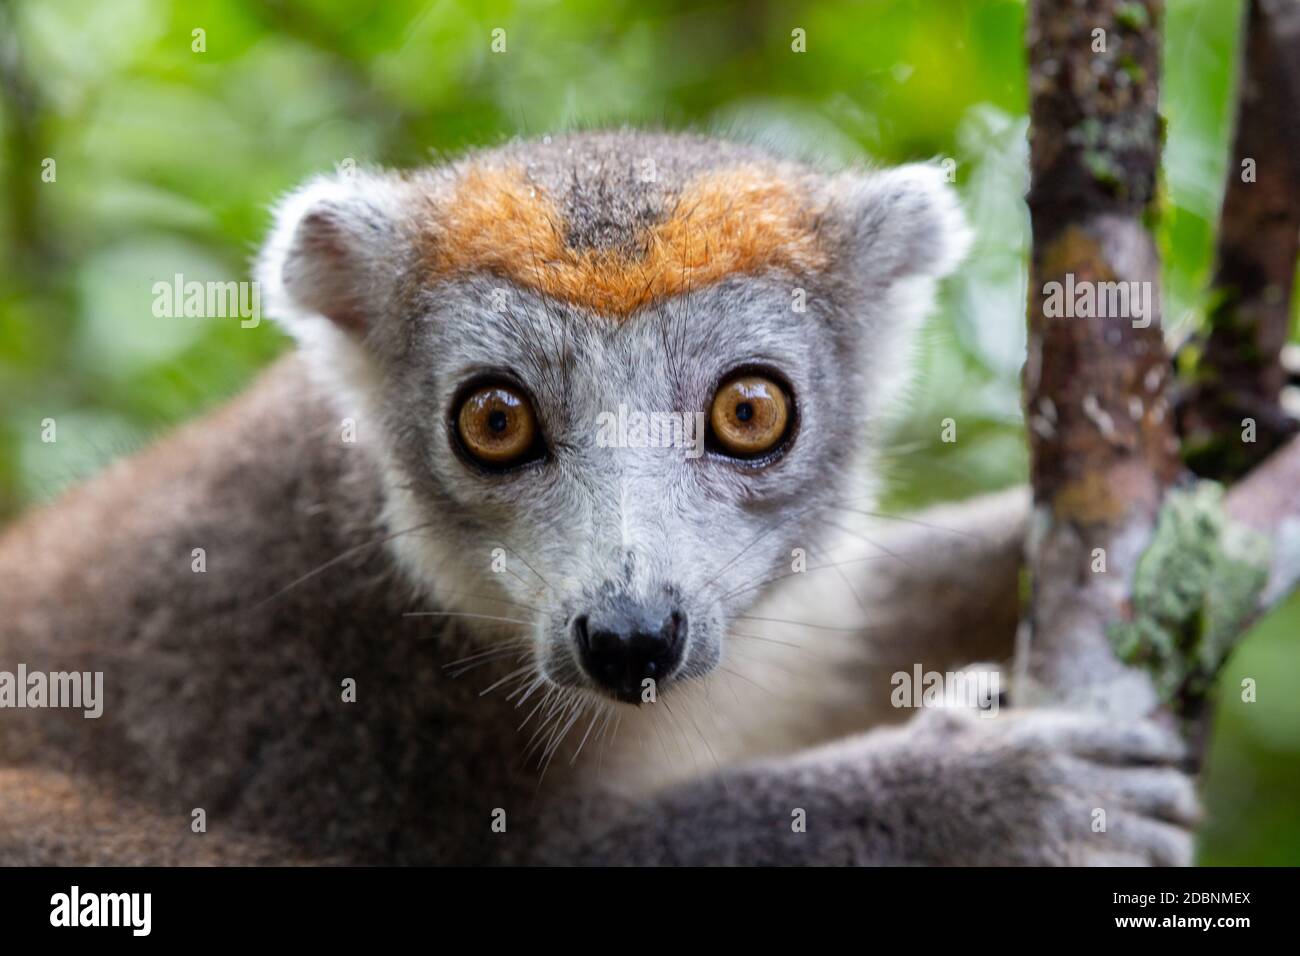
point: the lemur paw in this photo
(1058, 787)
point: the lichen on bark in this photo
(1195, 587)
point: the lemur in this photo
(439, 621)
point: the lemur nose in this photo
(621, 647)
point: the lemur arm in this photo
(942, 585)
(950, 787)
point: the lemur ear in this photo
(901, 222)
(333, 253)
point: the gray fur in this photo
(224, 687)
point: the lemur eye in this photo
(497, 425)
(750, 416)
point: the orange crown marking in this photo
(738, 221)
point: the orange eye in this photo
(750, 415)
(497, 425)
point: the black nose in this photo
(621, 647)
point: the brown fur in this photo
(740, 220)
(53, 817)
(222, 690)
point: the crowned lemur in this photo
(432, 591)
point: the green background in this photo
(167, 159)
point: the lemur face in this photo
(615, 379)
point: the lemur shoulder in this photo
(559, 651)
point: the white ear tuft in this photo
(905, 221)
(333, 253)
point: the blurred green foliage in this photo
(166, 160)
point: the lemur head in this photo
(615, 379)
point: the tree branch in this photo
(1102, 444)
(1238, 373)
